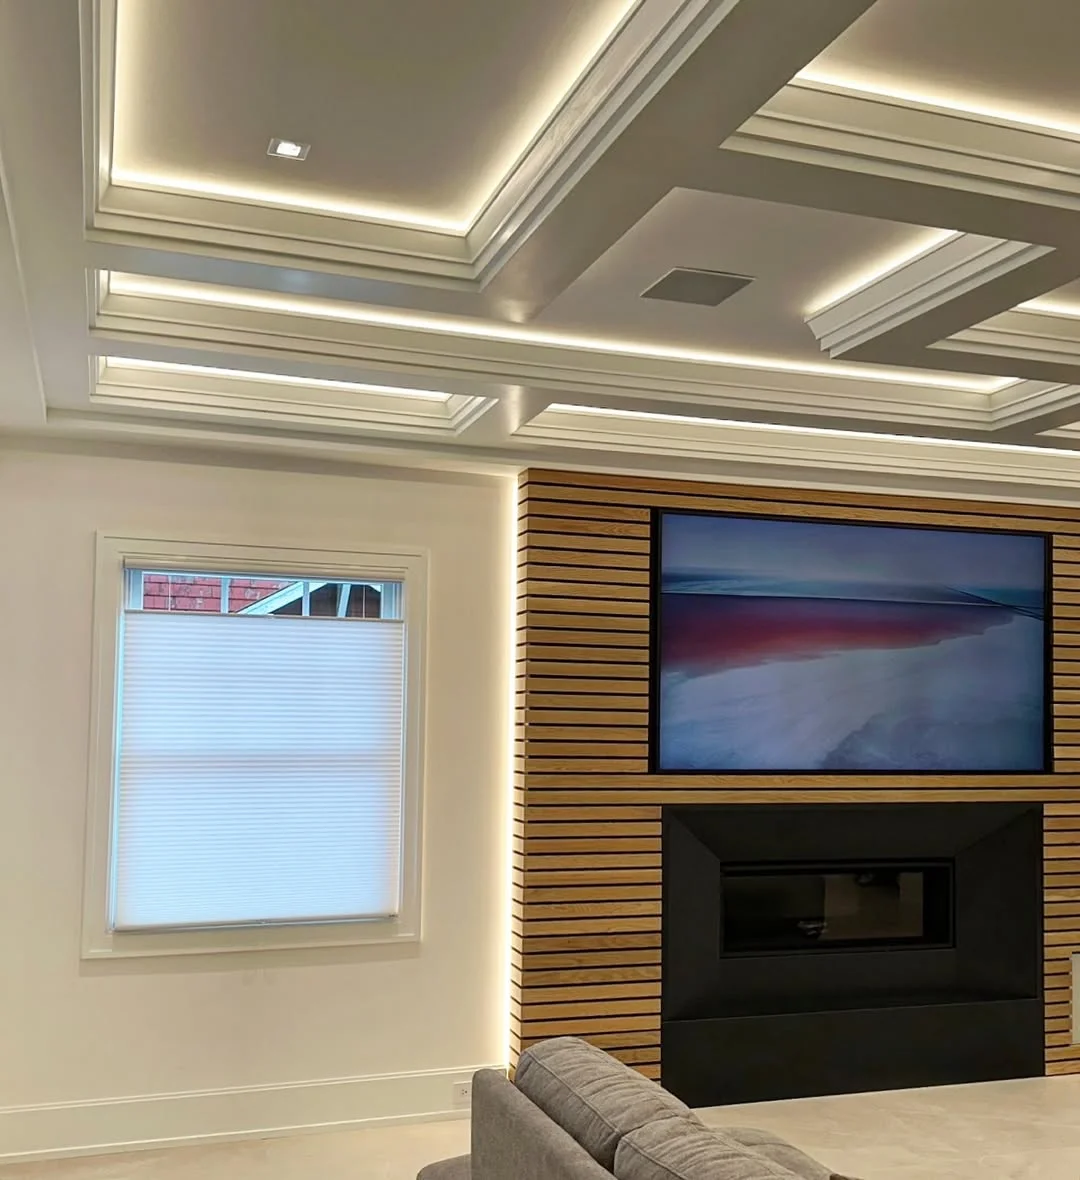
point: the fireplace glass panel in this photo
(791, 907)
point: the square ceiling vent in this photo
(707, 288)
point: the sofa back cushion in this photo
(683, 1149)
(593, 1097)
(779, 1151)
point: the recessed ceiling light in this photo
(288, 149)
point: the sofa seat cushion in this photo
(683, 1149)
(594, 1098)
(779, 1151)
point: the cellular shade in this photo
(259, 775)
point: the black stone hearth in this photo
(827, 949)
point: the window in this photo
(257, 748)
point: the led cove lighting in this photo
(252, 194)
(118, 362)
(813, 431)
(536, 122)
(288, 149)
(1051, 307)
(958, 106)
(119, 284)
(925, 244)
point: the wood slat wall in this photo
(587, 849)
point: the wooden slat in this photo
(540, 526)
(538, 509)
(587, 857)
(537, 483)
(540, 734)
(568, 975)
(582, 639)
(574, 621)
(578, 571)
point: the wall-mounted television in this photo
(809, 646)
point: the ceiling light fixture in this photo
(924, 244)
(288, 149)
(955, 106)
(185, 292)
(814, 431)
(120, 362)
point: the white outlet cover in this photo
(461, 1093)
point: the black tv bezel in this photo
(656, 517)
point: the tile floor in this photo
(1026, 1130)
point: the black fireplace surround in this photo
(826, 949)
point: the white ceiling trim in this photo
(781, 446)
(1024, 334)
(255, 397)
(963, 263)
(135, 296)
(531, 360)
(642, 56)
(642, 53)
(999, 116)
(861, 132)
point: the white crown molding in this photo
(239, 398)
(719, 451)
(826, 450)
(1029, 401)
(955, 267)
(121, 322)
(641, 55)
(1023, 334)
(854, 131)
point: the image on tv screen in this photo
(789, 645)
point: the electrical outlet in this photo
(461, 1093)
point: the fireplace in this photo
(820, 949)
(836, 906)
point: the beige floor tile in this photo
(1025, 1130)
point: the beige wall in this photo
(229, 1037)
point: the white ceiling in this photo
(798, 259)
(408, 104)
(490, 189)
(1019, 58)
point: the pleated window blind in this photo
(259, 773)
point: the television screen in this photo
(793, 645)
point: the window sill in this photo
(232, 940)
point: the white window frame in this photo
(114, 555)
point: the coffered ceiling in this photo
(888, 192)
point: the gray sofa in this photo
(575, 1113)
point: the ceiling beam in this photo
(723, 80)
(40, 103)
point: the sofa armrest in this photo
(514, 1140)
(455, 1169)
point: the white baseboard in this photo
(55, 1130)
